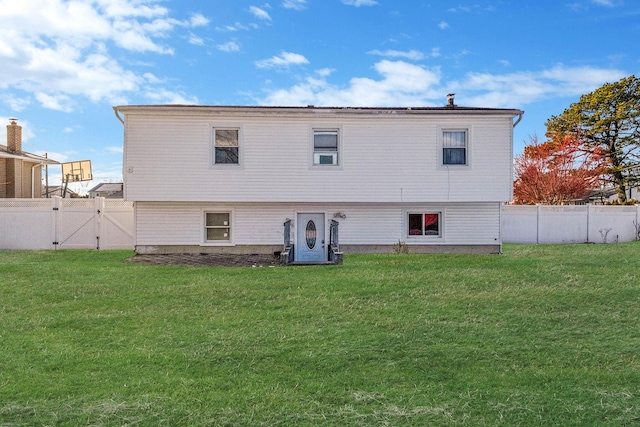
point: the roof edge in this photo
(29, 157)
(183, 108)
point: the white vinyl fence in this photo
(101, 223)
(58, 223)
(569, 224)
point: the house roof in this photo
(107, 187)
(23, 155)
(57, 190)
(310, 109)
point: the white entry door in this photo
(310, 245)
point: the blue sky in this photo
(65, 63)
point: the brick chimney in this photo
(14, 136)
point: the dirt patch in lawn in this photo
(208, 260)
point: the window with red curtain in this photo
(427, 224)
(431, 226)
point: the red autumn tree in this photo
(556, 172)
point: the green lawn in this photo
(542, 335)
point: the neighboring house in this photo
(226, 179)
(57, 190)
(20, 172)
(108, 190)
(632, 194)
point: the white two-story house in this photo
(251, 179)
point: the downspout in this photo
(33, 174)
(518, 121)
(514, 126)
(122, 120)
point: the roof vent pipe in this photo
(450, 100)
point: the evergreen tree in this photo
(607, 120)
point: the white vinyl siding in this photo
(382, 159)
(182, 223)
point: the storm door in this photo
(310, 245)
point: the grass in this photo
(542, 335)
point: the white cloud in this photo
(60, 157)
(196, 40)
(232, 28)
(229, 47)
(55, 102)
(521, 88)
(404, 84)
(285, 59)
(358, 3)
(151, 78)
(259, 13)
(165, 96)
(115, 149)
(198, 20)
(459, 9)
(443, 25)
(294, 4)
(56, 50)
(401, 84)
(325, 72)
(125, 8)
(608, 3)
(16, 103)
(413, 55)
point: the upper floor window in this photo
(325, 147)
(454, 147)
(225, 146)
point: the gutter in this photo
(115, 110)
(29, 158)
(519, 119)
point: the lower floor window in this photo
(218, 226)
(424, 224)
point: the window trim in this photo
(441, 147)
(204, 228)
(212, 145)
(423, 237)
(339, 150)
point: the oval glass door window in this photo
(311, 234)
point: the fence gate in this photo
(76, 224)
(116, 225)
(58, 223)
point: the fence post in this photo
(55, 211)
(537, 224)
(99, 211)
(588, 220)
(636, 224)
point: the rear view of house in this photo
(250, 179)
